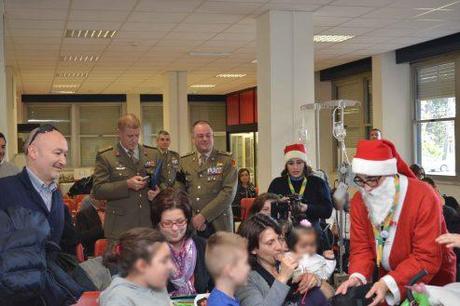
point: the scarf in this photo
(184, 262)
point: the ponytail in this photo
(134, 244)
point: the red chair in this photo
(99, 247)
(89, 298)
(80, 253)
(246, 204)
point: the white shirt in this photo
(135, 151)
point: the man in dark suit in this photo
(89, 223)
(36, 190)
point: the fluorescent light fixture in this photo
(254, 61)
(63, 91)
(203, 86)
(231, 75)
(72, 75)
(331, 38)
(90, 33)
(65, 86)
(199, 53)
(79, 58)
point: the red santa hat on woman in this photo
(378, 158)
(297, 150)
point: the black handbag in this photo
(355, 297)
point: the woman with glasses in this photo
(172, 215)
(297, 179)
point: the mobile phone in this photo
(145, 178)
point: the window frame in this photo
(416, 123)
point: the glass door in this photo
(243, 147)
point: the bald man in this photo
(36, 190)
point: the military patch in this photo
(149, 164)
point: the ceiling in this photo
(156, 36)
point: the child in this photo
(227, 261)
(143, 259)
(302, 240)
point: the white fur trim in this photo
(374, 167)
(295, 154)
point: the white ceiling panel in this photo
(98, 15)
(124, 5)
(155, 17)
(205, 18)
(224, 7)
(155, 36)
(177, 6)
(343, 11)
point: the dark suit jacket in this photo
(89, 228)
(18, 191)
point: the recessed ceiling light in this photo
(72, 75)
(331, 38)
(198, 53)
(203, 86)
(79, 58)
(231, 75)
(63, 91)
(254, 61)
(90, 34)
(65, 86)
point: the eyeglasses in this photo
(371, 181)
(42, 130)
(169, 223)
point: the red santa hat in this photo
(379, 157)
(297, 150)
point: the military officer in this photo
(170, 160)
(210, 180)
(121, 176)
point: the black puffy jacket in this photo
(28, 273)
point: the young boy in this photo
(227, 261)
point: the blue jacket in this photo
(29, 272)
(18, 190)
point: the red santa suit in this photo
(417, 222)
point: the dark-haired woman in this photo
(245, 189)
(172, 214)
(297, 178)
(269, 282)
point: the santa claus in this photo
(395, 220)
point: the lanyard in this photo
(302, 188)
(382, 232)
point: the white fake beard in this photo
(380, 200)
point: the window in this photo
(152, 121)
(57, 115)
(215, 114)
(435, 118)
(98, 130)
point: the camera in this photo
(282, 210)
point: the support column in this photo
(285, 81)
(133, 106)
(391, 105)
(323, 93)
(176, 118)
